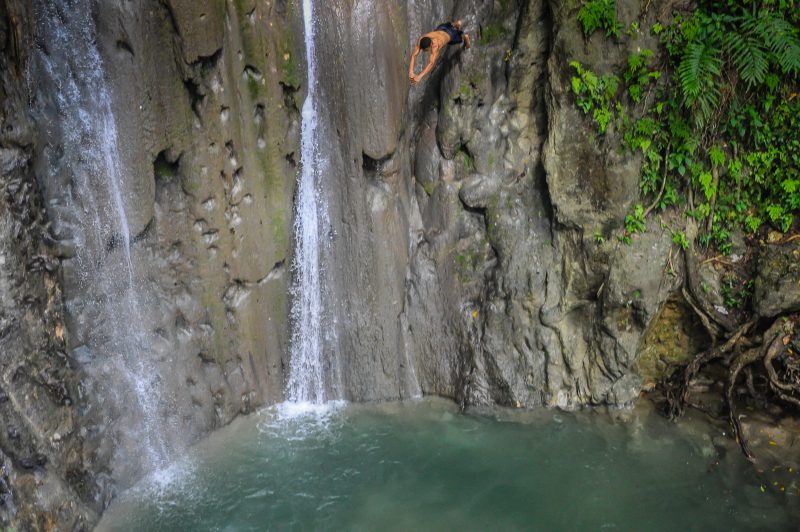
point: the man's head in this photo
(425, 43)
(458, 24)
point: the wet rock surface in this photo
(42, 450)
(206, 109)
(537, 310)
(777, 284)
(464, 214)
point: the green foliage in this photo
(706, 181)
(769, 170)
(698, 71)
(595, 94)
(718, 121)
(750, 42)
(599, 15)
(638, 76)
(735, 291)
(493, 33)
(717, 156)
(679, 238)
(749, 56)
(598, 94)
(760, 38)
(634, 222)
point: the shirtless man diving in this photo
(445, 34)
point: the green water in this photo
(422, 466)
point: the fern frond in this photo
(688, 70)
(782, 38)
(700, 64)
(698, 72)
(705, 105)
(749, 56)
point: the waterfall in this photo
(306, 373)
(108, 302)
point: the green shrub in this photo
(595, 94)
(599, 15)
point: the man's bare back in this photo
(433, 42)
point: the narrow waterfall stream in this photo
(109, 305)
(306, 374)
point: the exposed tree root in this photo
(677, 386)
(769, 359)
(740, 362)
(711, 328)
(787, 391)
(741, 353)
(660, 194)
(715, 321)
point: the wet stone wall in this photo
(460, 260)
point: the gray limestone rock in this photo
(777, 284)
(427, 159)
(42, 462)
(477, 191)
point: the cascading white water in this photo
(109, 291)
(306, 374)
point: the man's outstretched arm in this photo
(467, 41)
(413, 60)
(431, 64)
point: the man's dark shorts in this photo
(455, 35)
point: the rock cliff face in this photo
(463, 211)
(43, 479)
(490, 198)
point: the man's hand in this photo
(414, 79)
(467, 41)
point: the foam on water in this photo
(172, 477)
(299, 421)
(291, 410)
